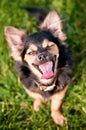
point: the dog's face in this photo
(39, 50)
(41, 54)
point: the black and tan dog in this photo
(43, 63)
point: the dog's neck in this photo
(46, 87)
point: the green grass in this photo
(16, 111)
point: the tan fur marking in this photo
(37, 104)
(30, 59)
(37, 98)
(55, 106)
(53, 50)
(45, 43)
(32, 48)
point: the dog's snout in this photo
(42, 56)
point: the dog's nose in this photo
(42, 56)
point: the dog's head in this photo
(40, 50)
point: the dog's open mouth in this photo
(47, 70)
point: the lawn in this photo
(16, 111)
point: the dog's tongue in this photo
(47, 70)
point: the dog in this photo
(43, 62)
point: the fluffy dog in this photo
(43, 62)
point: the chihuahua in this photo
(43, 62)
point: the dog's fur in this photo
(43, 62)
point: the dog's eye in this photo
(32, 53)
(50, 47)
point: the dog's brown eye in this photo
(32, 53)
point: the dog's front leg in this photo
(37, 104)
(37, 99)
(55, 107)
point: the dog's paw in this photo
(58, 118)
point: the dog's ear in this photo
(52, 23)
(14, 38)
